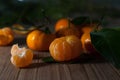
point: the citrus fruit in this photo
(6, 36)
(21, 57)
(66, 48)
(39, 40)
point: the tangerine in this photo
(68, 31)
(63, 23)
(39, 40)
(86, 39)
(21, 57)
(66, 48)
(6, 36)
(86, 43)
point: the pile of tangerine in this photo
(66, 43)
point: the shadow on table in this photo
(83, 59)
(19, 40)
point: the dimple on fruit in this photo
(21, 57)
(66, 48)
(6, 36)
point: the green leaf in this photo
(107, 42)
(48, 60)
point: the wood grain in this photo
(94, 69)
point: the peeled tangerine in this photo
(66, 48)
(21, 57)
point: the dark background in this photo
(21, 11)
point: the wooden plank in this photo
(91, 69)
(7, 71)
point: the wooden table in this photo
(84, 69)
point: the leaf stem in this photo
(47, 21)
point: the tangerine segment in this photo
(6, 36)
(65, 48)
(21, 57)
(16, 50)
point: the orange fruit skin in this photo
(6, 36)
(65, 48)
(40, 41)
(85, 36)
(68, 31)
(87, 29)
(21, 57)
(86, 43)
(86, 39)
(89, 47)
(63, 23)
